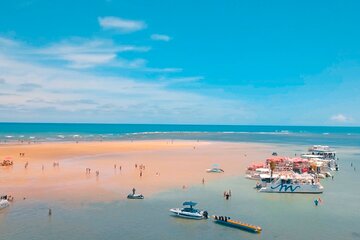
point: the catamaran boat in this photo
(4, 202)
(324, 152)
(294, 183)
(189, 211)
(265, 179)
(256, 174)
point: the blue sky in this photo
(208, 62)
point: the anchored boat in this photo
(295, 183)
(227, 221)
(215, 169)
(190, 212)
(135, 196)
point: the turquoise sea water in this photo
(335, 136)
(282, 216)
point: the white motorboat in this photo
(189, 212)
(214, 170)
(295, 183)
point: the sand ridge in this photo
(168, 164)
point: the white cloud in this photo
(58, 94)
(28, 87)
(88, 60)
(83, 53)
(160, 37)
(78, 52)
(181, 80)
(163, 70)
(340, 118)
(120, 24)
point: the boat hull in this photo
(179, 213)
(293, 188)
(135, 196)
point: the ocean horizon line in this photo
(185, 124)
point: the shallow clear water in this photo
(282, 216)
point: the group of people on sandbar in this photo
(141, 168)
(88, 171)
(222, 218)
(6, 163)
(116, 167)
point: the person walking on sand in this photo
(140, 173)
(120, 167)
(203, 181)
(133, 191)
(114, 166)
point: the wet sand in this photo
(168, 165)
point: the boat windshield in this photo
(191, 210)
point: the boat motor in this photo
(205, 214)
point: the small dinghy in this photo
(135, 196)
(226, 221)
